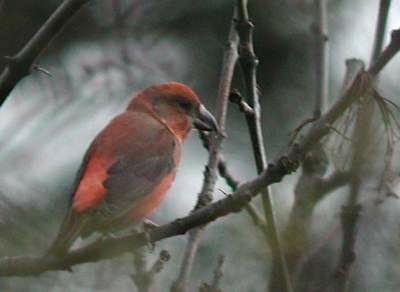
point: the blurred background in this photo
(113, 48)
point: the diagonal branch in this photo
(19, 65)
(387, 54)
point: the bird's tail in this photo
(70, 230)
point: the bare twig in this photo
(218, 274)
(233, 183)
(380, 28)
(210, 173)
(320, 30)
(298, 129)
(238, 99)
(42, 70)
(19, 66)
(249, 62)
(143, 278)
(387, 53)
(160, 262)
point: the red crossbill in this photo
(132, 162)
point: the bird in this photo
(130, 165)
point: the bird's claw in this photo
(149, 225)
(108, 235)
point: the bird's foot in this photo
(107, 235)
(149, 225)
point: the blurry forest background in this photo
(113, 48)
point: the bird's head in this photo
(175, 105)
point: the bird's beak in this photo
(204, 120)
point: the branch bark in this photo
(19, 65)
(320, 30)
(217, 277)
(233, 183)
(210, 173)
(380, 29)
(143, 277)
(248, 61)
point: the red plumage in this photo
(132, 162)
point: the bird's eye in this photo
(185, 105)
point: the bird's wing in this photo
(136, 174)
(127, 160)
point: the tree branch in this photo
(218, 274)
(320, 30)
(387, 53)
(249, 62)
(143, 277)
(380, 29)
(210, 173)
(233, 183)
(19, 65)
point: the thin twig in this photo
(42, 70)
(238, 99)
(218, 272)
(210, 173)
(19, 66)
(387, 53)
(249, 62)
(298, 129)
(217, 277)
(233, 183)
(143, 277)
(320, 30)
